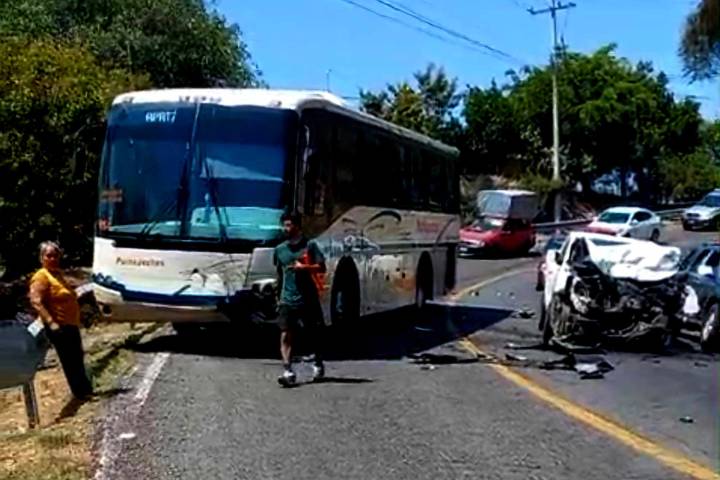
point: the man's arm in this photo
(38, 289)
(317, 259)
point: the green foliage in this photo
(53, 98)
(688, 176)
(177, 43)
(427, 108)
(613, 116)
(700, 45)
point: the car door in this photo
(558, 269)
(511, 236)
(703, 276)
(640, 224)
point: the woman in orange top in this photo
(56, 303)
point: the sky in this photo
(306, 43)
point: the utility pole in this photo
(554, 7)
(327, 79)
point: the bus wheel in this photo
(345, 296)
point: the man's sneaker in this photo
(318, 372)
(287, 379)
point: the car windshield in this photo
(614, 217)
(488, 223)
(195, 171)
(711, 201)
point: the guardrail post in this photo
(31, 405)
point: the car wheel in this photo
(709, 332)
(686, 227)
(655, 235)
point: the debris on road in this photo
(515, 358)
(422, 329)
(428, 367)
(687, 419)
(524, 313)
(529, 346)
(440, 359)
(592, 367)
(616, 292)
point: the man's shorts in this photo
(294, 318)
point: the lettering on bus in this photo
(428, 226)
(139, 262)
(164, 116)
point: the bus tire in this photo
(423, 282)
(450, 268)
(345, 295)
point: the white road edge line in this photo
(110, 447)
(149, 378)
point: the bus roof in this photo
(285, 99)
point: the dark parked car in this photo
(702, 307)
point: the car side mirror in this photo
(634, 221)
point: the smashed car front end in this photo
(627, 296)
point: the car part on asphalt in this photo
(592, 367)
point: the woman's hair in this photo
(47, 245)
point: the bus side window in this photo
(313, 171)
(345, 155)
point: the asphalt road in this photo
(216, 411)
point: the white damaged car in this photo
(602, 289)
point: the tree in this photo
(495, 142)
(688, 176)
(177, 43)
(700, 44)
(614, 116)
(53, 99)
(427, 108)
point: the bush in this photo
(53, 98)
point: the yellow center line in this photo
(671, 458)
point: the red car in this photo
(491, 235)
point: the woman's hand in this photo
(53, 326)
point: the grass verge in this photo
(60, 448)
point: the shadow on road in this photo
(388, 336)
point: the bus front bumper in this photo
(114, 308)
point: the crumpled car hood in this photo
(637, 260)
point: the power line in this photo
(419, 29)
(398, 7)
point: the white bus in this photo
(193, 184)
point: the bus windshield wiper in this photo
(212, 189)
(150, 226)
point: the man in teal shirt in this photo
(297, 260)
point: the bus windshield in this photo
(195, 171)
